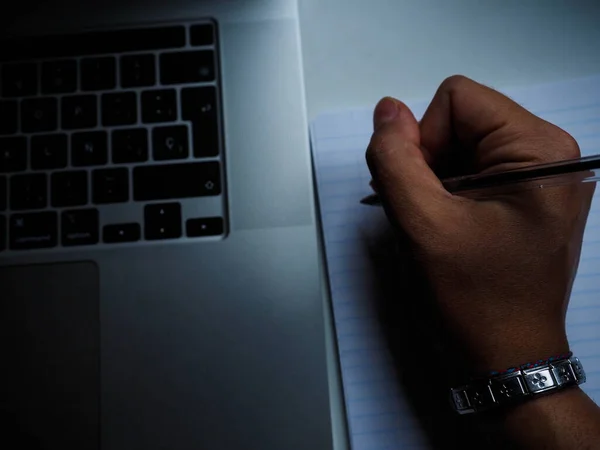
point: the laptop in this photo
(159, 275)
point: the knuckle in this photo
(562, 145)
(544, 142)
(455, 82)
(570, 146)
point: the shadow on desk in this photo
(427, 363)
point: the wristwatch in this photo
(518, 385)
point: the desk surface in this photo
(357, 51)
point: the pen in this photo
(539, 176)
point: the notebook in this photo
(379, 416)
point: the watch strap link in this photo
(520, 384)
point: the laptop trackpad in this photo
(49, 342)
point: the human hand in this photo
(500, 269)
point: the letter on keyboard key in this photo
(159, 106)
(98, 74)
(79, 111)
(8, 117)
(119, 109)
(79, 227)
(19, 80)
(130, 145)
(170, 142)
(69, 188)
(176, 181)
(13, 154)
(110, 185)
(3, 192)
(187, 67)
(162, 221)
(137, 71)
(28, 191)
(39, 114)
(59, 77)
(123, 232)
(35, 230)
(48, 151)
(89, 149)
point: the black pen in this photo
(540, 176)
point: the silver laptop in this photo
(159, 277)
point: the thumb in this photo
(411, 193)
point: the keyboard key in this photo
(36, 230)
(48, 151)
(19, 80)
(209, 226)
(39, 114)
(138, 71)
(93, 43)
(79, 111)
(2, 233)
(3, 192)
(123, 232)
(28, 191)
(98, 74)
(119, 109)
(162, 221)
(13, 154)
(201, 34)
(69, 188)
(159, 106)
(59, 77)
(79, 227)
(8, 117)
(176, 181)
(199, 105)
(129, 145)
(110, 185)
(187, 67)
(170, 142)
(89, 149)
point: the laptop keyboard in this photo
(111, 137)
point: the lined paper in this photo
(378, 414)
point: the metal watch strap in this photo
(520, 384)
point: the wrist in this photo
(502, 354)
(556, 421)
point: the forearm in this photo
(566, 420)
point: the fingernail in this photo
(386, 110)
